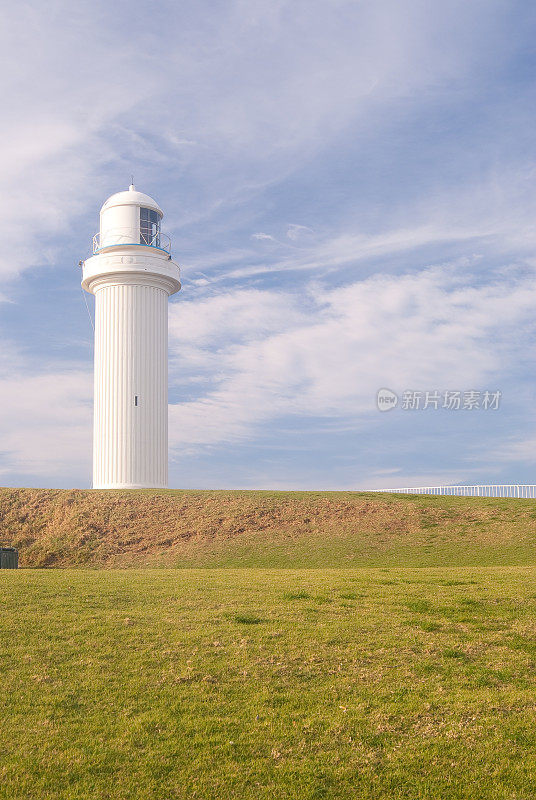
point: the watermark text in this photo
(450, 400)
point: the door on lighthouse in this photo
(149, 227)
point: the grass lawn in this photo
(249, 683)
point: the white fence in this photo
(525, 490)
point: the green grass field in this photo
(269, 683)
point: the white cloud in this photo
(474, 216)
(222, 320)
(271, 354)
(256, 88)
(297, 232)
(262, 236)
(70, 82)
(45, 425)
(517, 449)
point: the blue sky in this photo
(350, 189)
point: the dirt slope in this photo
(275, 529)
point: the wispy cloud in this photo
(326, 354)
(45, 425)
(261, 236)
(298, 232)
(257, 91)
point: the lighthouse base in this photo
(128, 486)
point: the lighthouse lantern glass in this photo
(149, 227)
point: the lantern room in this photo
(130, 219)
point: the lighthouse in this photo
(131, 273)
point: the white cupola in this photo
(130, 218)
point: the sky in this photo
(350, 189)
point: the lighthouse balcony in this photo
(124, 237)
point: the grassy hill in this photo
(400, 665)
(263, 529)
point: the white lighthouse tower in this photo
(131, 275)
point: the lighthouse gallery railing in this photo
(123, 237)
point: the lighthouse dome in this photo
(132, 198)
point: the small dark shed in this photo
(9, 558)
